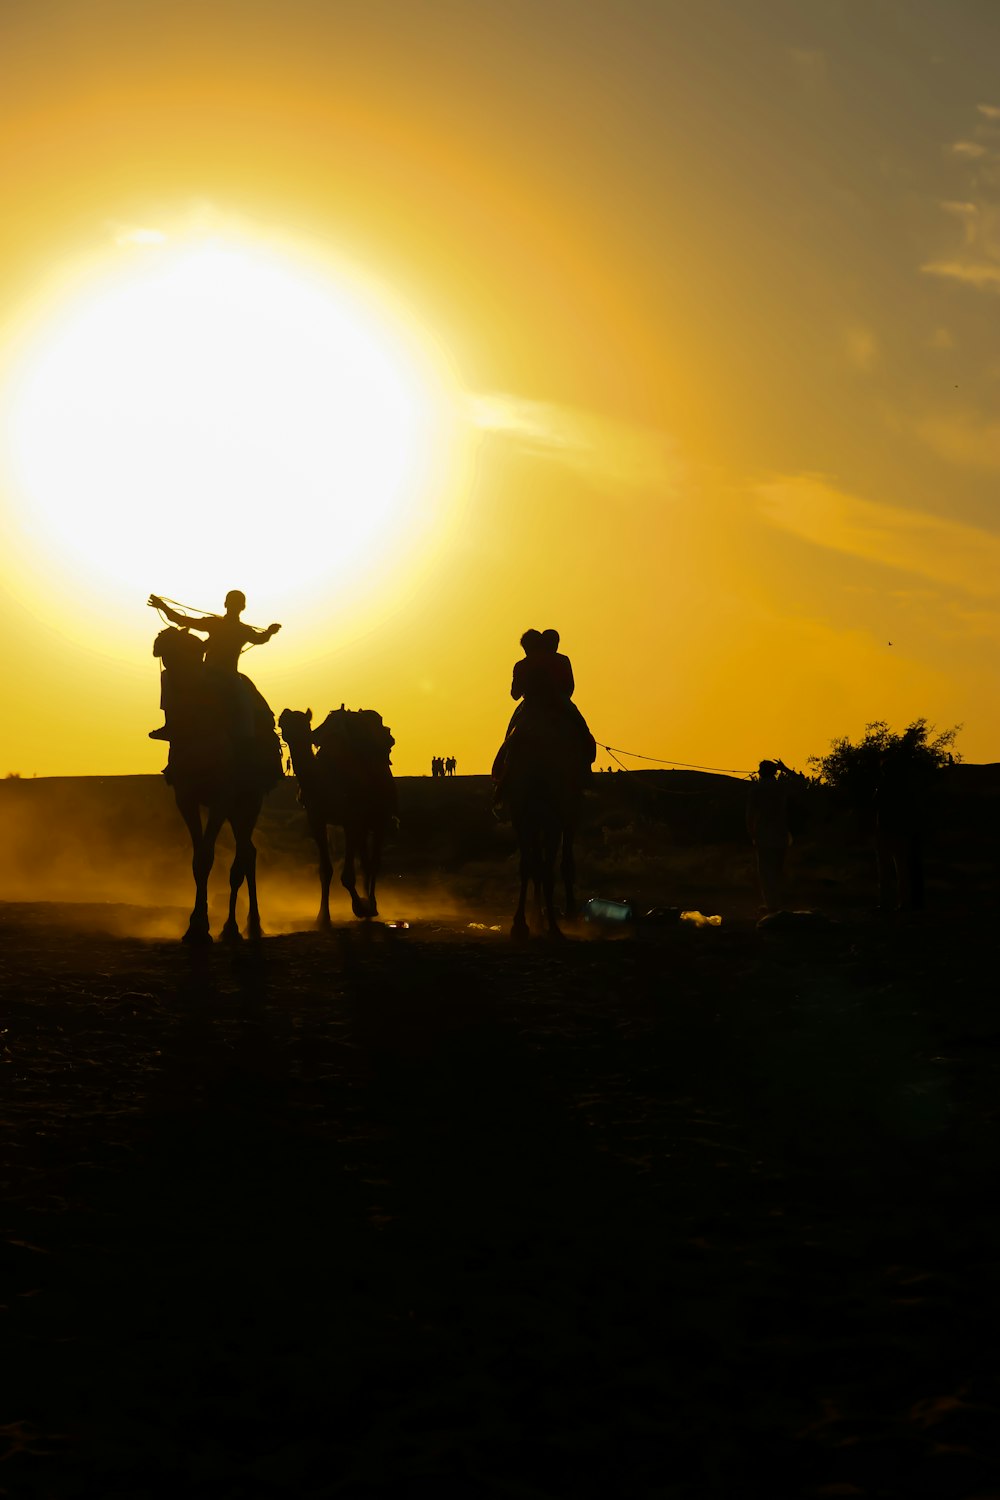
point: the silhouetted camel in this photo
(210, 766)
(348, 783)
(542, 791)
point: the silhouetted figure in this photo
(541, 674)
(347, 782)
(192, 657)
(211, 766)
(543, 681)
(899, 805)
(561, 671)
(227, 636)
(449, 766)
(540, 770)
(767, 824)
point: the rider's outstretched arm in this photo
(189, 622)
(258, 637)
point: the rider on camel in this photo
(227, 636)
(543, 678)
(542, 673)
(560, 670)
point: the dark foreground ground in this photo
(695, 1213)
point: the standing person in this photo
(899, 803)
(767, 825)
(227, 635)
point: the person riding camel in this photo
(560, 671)
(543, 679)
(542, 674)
(227, 635)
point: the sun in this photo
(215, 414)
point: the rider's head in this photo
(550, 640)
(767, 770)
(531, 641)
(235, 601)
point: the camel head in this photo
(296, 729)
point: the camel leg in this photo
(253, 928)
(201, 866)
(197, 928)
(244, 867)
(364, 860)
(237, 874)
(549, 849)
(529, 865)
(569, 873)
(374, 865)
(317, 827)
(348, 877)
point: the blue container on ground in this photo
(600, 909)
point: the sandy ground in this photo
(689, 1213)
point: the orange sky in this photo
(709, 293)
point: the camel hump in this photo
(359, 732)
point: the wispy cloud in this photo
(977, 262)
(137, 234)
(964, 440)
(985, 275)
(968, 215)
(812, 508)
(609, 452)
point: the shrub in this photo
(853, 771)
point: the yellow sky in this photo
(705, 298)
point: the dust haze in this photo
(114, 853)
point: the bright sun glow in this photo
(214, 416)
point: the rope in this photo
(656, 760)
(189, 609)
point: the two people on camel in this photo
(543, 683)
(228, 635)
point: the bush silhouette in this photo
(853, 772)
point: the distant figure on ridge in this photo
(767, 825)
(227, 636)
